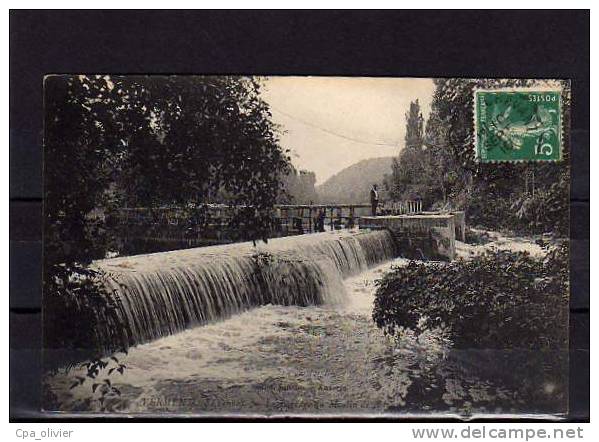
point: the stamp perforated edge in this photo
(555, 87)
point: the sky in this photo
(330, 123)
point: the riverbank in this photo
(325, 359)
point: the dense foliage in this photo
(115, 141)
(442, 171)
(501, 299)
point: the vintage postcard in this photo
(306, 246)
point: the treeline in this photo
(438, 166)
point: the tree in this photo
(116, 140)
(414, 126)
(407, 170)
(205, 134)
(506, 185)
(526, 197)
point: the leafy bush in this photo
(76, 306)
(547, 210)
(501, 299)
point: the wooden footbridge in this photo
(288, 219)
(144, 230)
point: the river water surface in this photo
(324, 360)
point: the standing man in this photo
(374, 199)
(319, 222)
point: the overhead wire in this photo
(331, 132)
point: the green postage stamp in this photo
(518, 125)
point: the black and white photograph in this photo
(300, 217)
(224, 245)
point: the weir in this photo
(163, 293)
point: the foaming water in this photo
(318, 359)
(163, 293)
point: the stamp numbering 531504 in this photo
(518, 125)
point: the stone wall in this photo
(421, 236)
(459, 219)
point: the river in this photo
(323, 360)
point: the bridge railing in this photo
(145, 230)
(298, 218)
(288, 218)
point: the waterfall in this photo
(163, 293)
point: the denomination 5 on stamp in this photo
(518, 125)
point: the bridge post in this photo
(351, 217)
